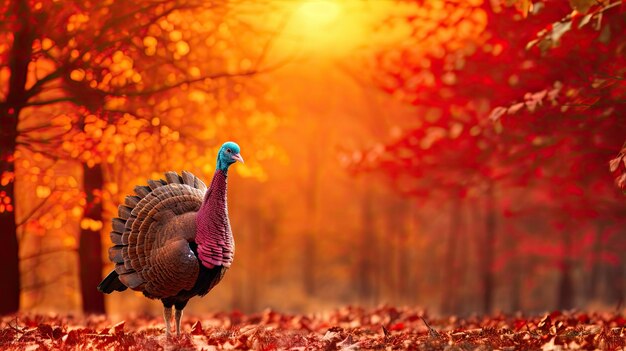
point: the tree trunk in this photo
(615, 286)
(90, 243)
(9, 250)
(310, 264)
(615, 276)
(489, 250)
(516, 266)
(256, 271)
(402, 263)
(309, 268)
(18, 59)
(596, 266)
(566, 285)
(365, 266)
(516, 285)
(450, 279)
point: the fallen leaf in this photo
(196, 329)
(118, 329)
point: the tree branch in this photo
(35, 89)
(35, 209)
(51, 101)
(45, 283)
(48, 252)
(183, 82)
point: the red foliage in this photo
(349, 328)
(618, 166)
(559, 81)
(561, 134)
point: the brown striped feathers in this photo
(151, 235)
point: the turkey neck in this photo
(217, 191)
(213, 234)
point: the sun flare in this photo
(318, 13)
(334, 27)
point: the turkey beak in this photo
(237, 157)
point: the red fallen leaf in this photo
(249, 329)
(346, 343)
(196, 329)
(550, 345)
(619, 321)
(553, 330)
(239, 344)
(57, 333)
(31, 322)
(7, 335)
(555, 314)
(396, 326)
(268, 316)
(336, 329)
(519, 324)
(72, 337)
(583, 318)
(269, 347)
(545, 323)
(331, 336)
(236, 315)
(28, 335)
(45, 330)
(301, 322)
(119, 328)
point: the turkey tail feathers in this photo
(111, 283)
(138, 233)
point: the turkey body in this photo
(207, 279)
(172, 241)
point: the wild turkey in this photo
(173, 241)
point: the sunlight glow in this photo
(329, 28)
(318, 13)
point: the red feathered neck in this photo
(214, 237)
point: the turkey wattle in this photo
(173, 241)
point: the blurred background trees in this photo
(100, 84)
(546, 148)
(448, 154)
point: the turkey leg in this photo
(167, 315)
(177, 316)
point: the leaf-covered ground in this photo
(350, 328)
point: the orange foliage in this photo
(136, 88)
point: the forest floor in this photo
(349, 328)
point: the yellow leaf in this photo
(182, 48)
(149, 41)
(69, 241)
(95, 225)
(118, 56)
(42, 191)
(194, 72)
(46, 43)
(176, 35)
(76, 211)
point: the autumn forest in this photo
(445, 157)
